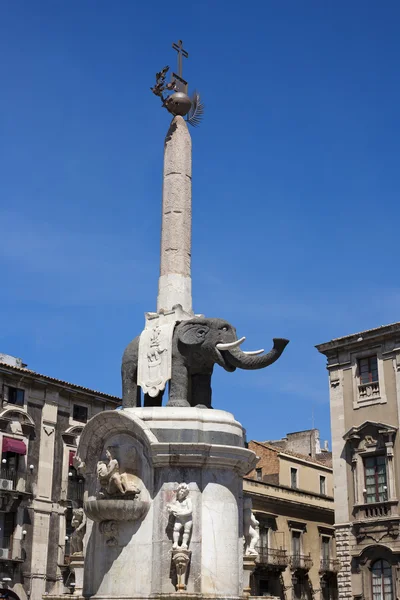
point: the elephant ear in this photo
(193, 333)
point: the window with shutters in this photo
(368, 378)
(375, 479)
(293, 478)
(325, 548)
(14, 395)
(80, 413)
(368, 370)
(296, 543)
(382, 584)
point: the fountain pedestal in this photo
(164, 538)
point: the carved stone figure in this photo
(78, 522)
(251, 530)
(110, 530)
(182, 510)
(197, 344)
(111, 479)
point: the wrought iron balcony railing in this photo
(329, 565)
(10, 549)
(75, 490)
(8, 479)
(273, 558)
(301, 562)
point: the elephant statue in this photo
(197, 345)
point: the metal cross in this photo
(181, 52)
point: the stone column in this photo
(175, 286)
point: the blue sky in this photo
(295, 188)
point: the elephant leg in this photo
(179, 385)
(201, 390)
(130, 389)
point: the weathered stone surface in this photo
(144, 548)
(175, 284)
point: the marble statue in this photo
(111, 479)
(251, 530)
(182, 510)
(78, 522)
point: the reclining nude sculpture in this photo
(111, 479)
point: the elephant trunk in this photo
(241, 360)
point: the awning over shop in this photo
(72, 455)
(12, 445)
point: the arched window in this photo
(382, 586)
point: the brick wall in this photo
(269, 462)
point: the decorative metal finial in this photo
(179, 103)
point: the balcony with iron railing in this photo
(12, 480)
(10, 549)
(301, 562)
(8, 479)
(75, 489)
(329, 565)
(272, 558)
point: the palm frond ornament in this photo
(178, 101)
(196, 112)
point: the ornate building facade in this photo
(364, 379)
(41, 419)
(292, 500)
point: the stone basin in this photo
(116, 509)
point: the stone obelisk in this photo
(175, 284)
(163, 484)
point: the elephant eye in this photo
(201, 332)
(224, 328)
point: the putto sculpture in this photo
(251, 529)
(181, 510)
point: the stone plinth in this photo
(249, 565)
(77, 566)
(164, 447)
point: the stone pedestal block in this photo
(77, 566)
(249, 565)
(178, 472)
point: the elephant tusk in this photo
(253, 352)
(230, 345)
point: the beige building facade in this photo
(364, 381)
(292, 500)
(41, 419)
